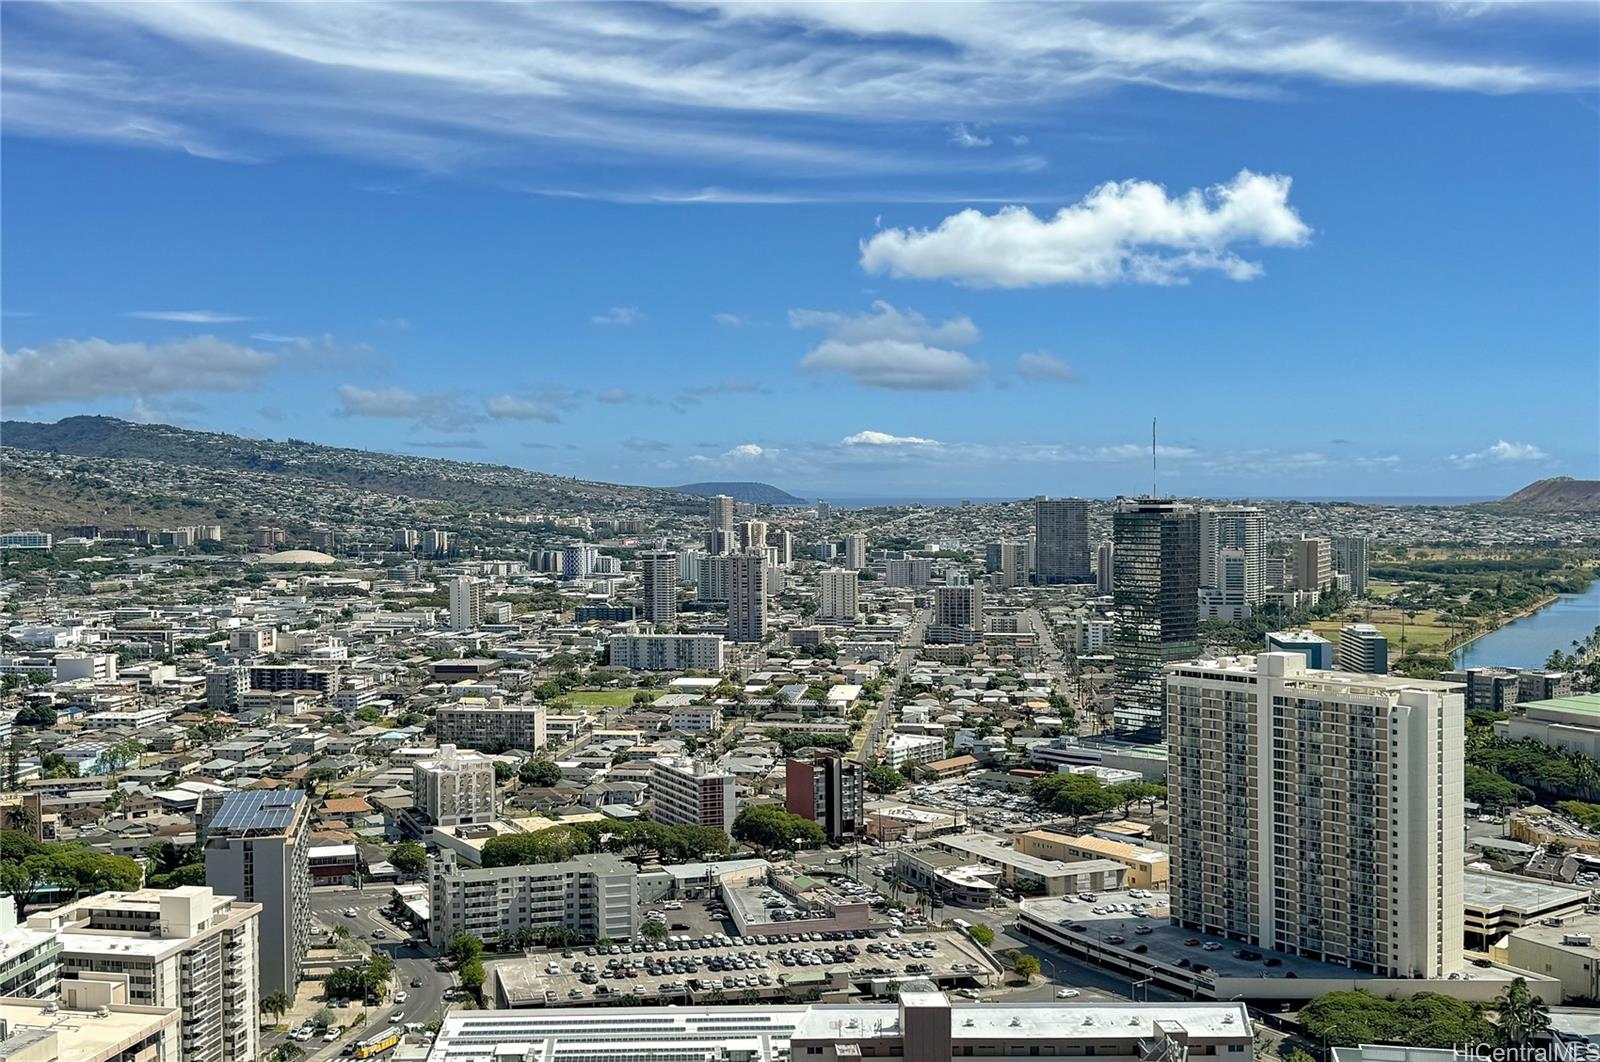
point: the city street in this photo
(904, 658)
(423, 1003)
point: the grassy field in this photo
(1424, 633)
(605, 698)
(1379, 588)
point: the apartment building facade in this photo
(1318, 812)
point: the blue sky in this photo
(849, 249)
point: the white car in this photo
(330, 1036)
(394, 1019)
(399, 997)
(1067, 993)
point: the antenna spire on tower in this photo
(1153, 476)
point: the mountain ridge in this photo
(1556, 494)
(753, 492)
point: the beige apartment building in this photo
(1318, 812)
(1147, 868)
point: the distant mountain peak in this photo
(749, 492)
(1558, 494)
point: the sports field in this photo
(606, 698)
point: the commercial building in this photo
(690, 792)
(830, 790)
(660, 586)
(492, 726)
(1229, 598)
(466, 603)
(923, 1026)
(1317, 650)
(1363, 648)
(593, 896)
(436, 543)
(1158, 606)
(92, 1024)
(454, 787)
(903, 750)
(278, 677)
(30, 959)
(1105, 568)
(1571, 723)
(1232, 547)
(185, 948)
(1317, 812)
(25, 540)
(838, 590)
(256, 849)
(1350, 558)
(667, 652)
(957, 615)
(747, 597)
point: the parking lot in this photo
(986, 807)
(718, 966)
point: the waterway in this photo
(1529, 641)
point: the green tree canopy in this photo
(769, 826)
(409, 857)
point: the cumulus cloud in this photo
(1123, 231)
(510, 407)
(77, 370)
(883, 438)
(1042, 366)
(1501, 452)
(621, 316)
(190, 316)
(745, 451)
(889, 349)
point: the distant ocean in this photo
(869, 501)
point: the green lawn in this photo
(606, 698)
(1423, 635)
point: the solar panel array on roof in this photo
(266, 810)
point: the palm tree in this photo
(1523, 1015)
(277, 1004)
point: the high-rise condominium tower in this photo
(1061, 527)
(1157, 552)
(660, 590)
(837, 599)
(1241, 528)
(719, 537)
(1318, 812)
(466, 603)
(855, 551)
(1350, 558)
(747, 597)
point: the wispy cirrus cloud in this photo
(190, 316)
(453, 87)
(619, 316)
(1041, 365)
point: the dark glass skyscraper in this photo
(1157, 557)
(1061, 529)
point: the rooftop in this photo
(82, 1035)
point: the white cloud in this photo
(275, 337)
(774, 84)
(438, 410)
(1501, 452)
(889, 349)
(510, 407)
(881, 438)
(77, 370)
(1040, 365)
(190, 316)
(748, 450)
(1122, 231)
(961, 136)
(621, 316)
(728, 320)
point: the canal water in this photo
(1530, 640)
